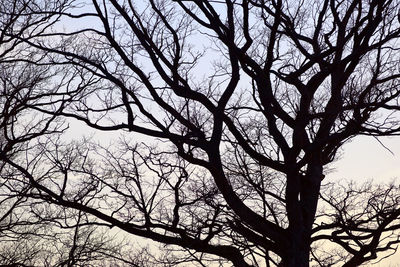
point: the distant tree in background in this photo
(229, 110)
(32, 233)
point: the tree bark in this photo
(302, 193)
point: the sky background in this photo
(364, 158)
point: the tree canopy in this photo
(229, 113)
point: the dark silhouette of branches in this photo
(361, 220)
(230, 111)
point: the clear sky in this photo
(365, 158)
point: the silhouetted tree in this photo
(31, 232)
(358, 222)
(48, 244)
(242, 104)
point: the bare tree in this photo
(47, 244)
(31, 232)
(246, 102)
(359, 221)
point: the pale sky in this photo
(365, 158)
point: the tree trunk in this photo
(302, 193)
(298, 253)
